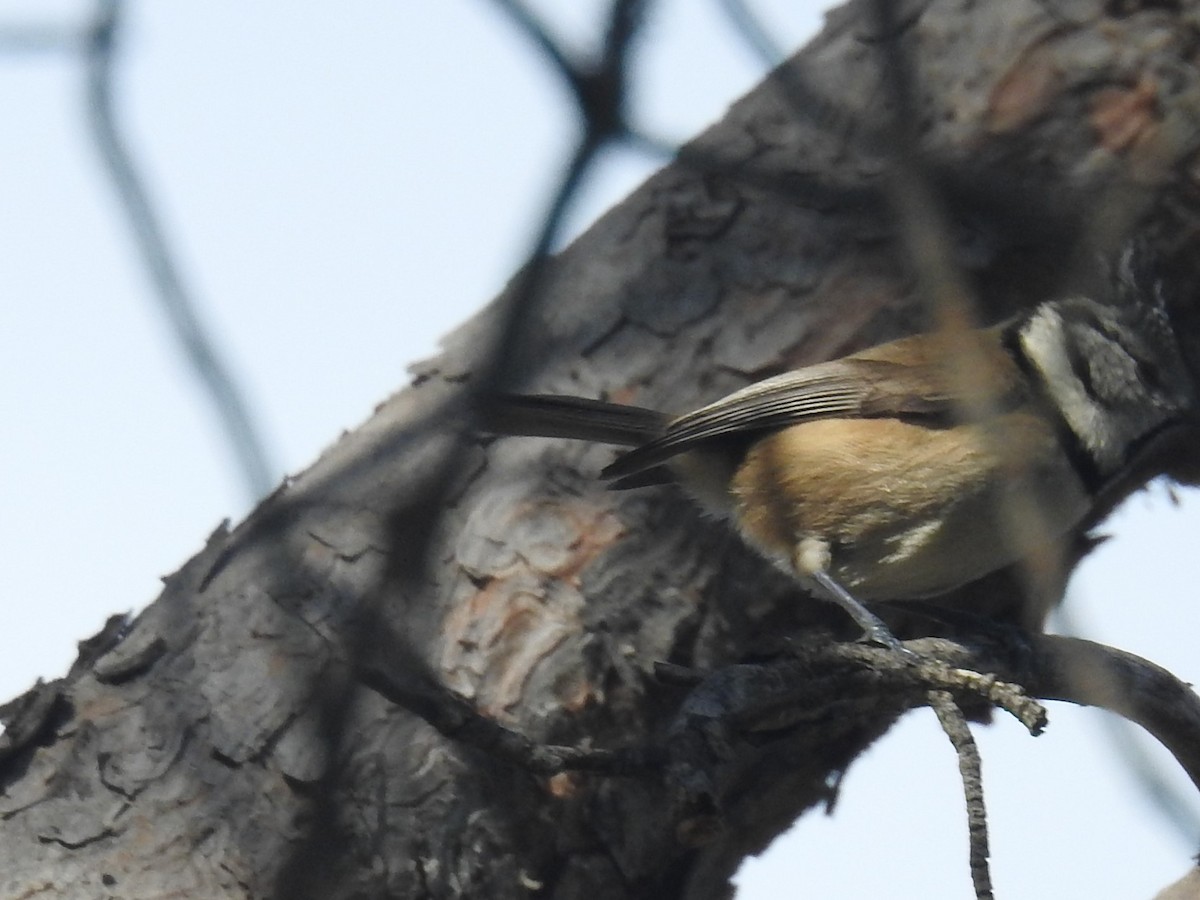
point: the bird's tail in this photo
(545, 415)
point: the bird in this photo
(908, 469)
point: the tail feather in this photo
(545, 415)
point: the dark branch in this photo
(746, 24)
(176, 301)
(826, 682)
(451, 715)
(1092, 674)
(954, 723)
(19, 39)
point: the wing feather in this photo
(873, 384)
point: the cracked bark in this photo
(219, 747)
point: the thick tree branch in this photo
(532, 606)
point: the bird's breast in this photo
(908, 511)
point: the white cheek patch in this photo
(1043, 340)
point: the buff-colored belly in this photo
(908, 511)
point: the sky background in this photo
(342, 184)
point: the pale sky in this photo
(343, 184)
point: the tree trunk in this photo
(221, 745)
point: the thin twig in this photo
(20, 39)
(504, 359)
(599, 86)
(954, 723)
(1092, 674)
(1053, 667)
(258, 474)
(539, 33)
(453, 717)
(746, 24)
(1126, 744)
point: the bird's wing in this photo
(905, 378)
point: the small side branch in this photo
(1052, 667)
(822, 681)
(824, 693)
(176, 300)
(451, 715)
(1091, 674)
(954, 723)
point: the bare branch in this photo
(751, 30)
(1091, 674)
(22, 39)
(954, 723)
(258, 473)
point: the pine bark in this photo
(222, 746)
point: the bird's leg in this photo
(812, 560)
(873, 627)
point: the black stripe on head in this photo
(1082, 460)
(1115, 376)
(1072, 317)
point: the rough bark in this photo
(221, 745)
